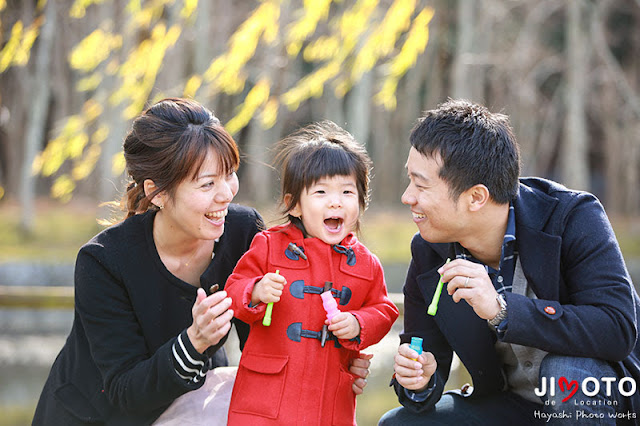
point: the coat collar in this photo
(291, 231)
(533, 208)
(360, 266)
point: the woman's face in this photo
(199, 206)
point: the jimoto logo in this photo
(590, 386)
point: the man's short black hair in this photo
(476, 147)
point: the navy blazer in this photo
(571, 260)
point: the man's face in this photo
(437, 216)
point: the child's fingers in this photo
(275, 278)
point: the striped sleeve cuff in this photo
(188, 363)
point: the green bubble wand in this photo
(433, 307)
(266, 321)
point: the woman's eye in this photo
(209, 184)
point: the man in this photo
(538, 305)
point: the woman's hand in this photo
(211, 319)
(360, 367)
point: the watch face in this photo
(503, 311)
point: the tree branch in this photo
(602, 48)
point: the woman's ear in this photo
(149, 188)
(295, 211)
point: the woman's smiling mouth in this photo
(217, 217)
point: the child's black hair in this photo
(316, 151)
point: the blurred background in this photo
(73, 74)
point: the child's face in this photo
(329, 208)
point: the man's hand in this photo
(413, 372)
(360, 367)
(470, 281)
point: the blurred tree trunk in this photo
(176, 58)
(536, 129)
(15, 87)
(382, 151)
(258, 179)
(37, 116)
(575, 147)
(439, 58)
(622, 128)
(464, 47)
(109, 185)
(333, 108)
(410, 96)
(358, 109)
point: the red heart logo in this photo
(566, 385)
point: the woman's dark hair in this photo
(316, 151)
(168, 143)
(476, 147)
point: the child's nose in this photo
(335, 201)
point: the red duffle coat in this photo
(285, 376)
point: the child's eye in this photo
(320, 191)
(209, 184)
(348, 191)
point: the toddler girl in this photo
(296, 370)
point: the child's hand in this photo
(344, 326)
(268, 289)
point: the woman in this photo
(149, 322)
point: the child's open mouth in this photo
(333, 224)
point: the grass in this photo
(61, 229)
(388, 233)
(628, 234)
(16, 416)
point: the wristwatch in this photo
(502, 315)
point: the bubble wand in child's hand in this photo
(266, 321)
(433, 307)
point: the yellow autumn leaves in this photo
(337, 42)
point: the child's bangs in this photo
(328, 161)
